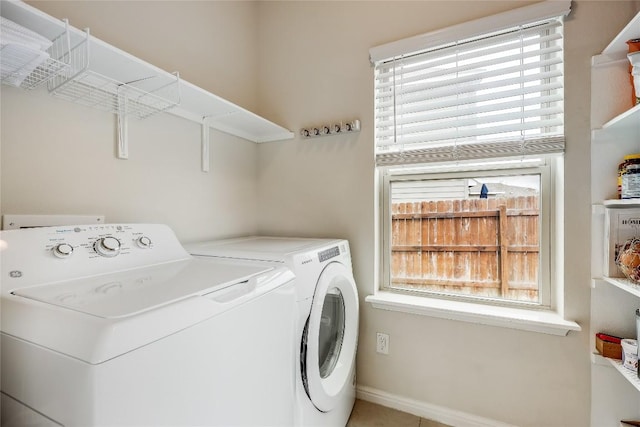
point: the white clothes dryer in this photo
(327, 322)
(117, 325)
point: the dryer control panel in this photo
(328, 253)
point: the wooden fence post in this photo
(504, 244)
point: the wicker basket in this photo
(628, 259)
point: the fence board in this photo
(467, 244)
(462, 248)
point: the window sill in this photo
(546, 322)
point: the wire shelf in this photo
(28, 60)
(95, 90)
(84, 86)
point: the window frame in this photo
(539, 320)
(548, 169)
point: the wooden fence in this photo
(482, 247)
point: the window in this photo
(482, 235)
(469, 131)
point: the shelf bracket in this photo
(205, 144)
(122, 151)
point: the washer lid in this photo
(257, 248)
(138, 290)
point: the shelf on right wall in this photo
(615, 130)
(620, 283)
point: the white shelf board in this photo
(600, 360)
(622, 203)
(195, 102)
(628, 374)
(624, 284)
(627, 122)
(618, 46)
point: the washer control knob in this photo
(63, 250)
(144, 242)
(107, 246)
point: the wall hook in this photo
(332, 129)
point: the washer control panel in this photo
(106, 241)
(63, 250)
(144, 242)
(67, 252)
(107, 246)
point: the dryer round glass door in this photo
(332, 336)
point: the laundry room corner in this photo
(267, 185)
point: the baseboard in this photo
(425, 410)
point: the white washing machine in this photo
(117, 325)
(327, 322)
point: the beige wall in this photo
(211, 43)
(315, 69)
(299, 64)
(58, 157)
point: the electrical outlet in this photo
(382, 343)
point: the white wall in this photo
(58, 157)
(315, 69)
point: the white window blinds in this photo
(496, 94)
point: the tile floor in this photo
(367, 414)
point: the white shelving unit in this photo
(615, 131)
(192, 102)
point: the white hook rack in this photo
(334, 129)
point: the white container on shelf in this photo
(620, 225)
(634, 59)
(630, 354)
